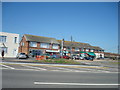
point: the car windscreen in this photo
(22, 53)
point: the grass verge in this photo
(58, 61)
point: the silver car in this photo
(21, 55)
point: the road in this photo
(21, 76)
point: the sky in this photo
(95, 23)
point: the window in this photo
(44, 45)
(33, 44)
(15, 39)
(87, 50)
(76, 49)
(3, 48)
(92, 50)
(3, 39)
(68, 48)
(82, 49)
(22, 43)
(55, 46)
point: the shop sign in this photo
(51, 51)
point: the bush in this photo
(58, 61)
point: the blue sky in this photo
(95, 23)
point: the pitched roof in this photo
(79, 45)
(40, 39)
(75, 44)
(96, 47)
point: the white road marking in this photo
(91, 84)
(34, 67)
(65, 69)
(7, 66)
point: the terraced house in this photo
(78, 48)
(37, 45)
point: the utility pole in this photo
(62, 44)
(71, 47)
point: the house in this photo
(112, 55)
(9, 42)
(78, 48)
(37, 45)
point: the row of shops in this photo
(38, 45)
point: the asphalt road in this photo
(22, 75)
(13, 78)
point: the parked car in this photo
(81, 58)
(48, 56)
(75, 57)
(65, 57)
(55, 56)
(89, 58)
(21, 55)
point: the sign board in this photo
(52, 51)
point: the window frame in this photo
(15, 39)
(3, 38)
(31, 44)
(53, 47)
(44, 45)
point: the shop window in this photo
(55, 46)
(44, 45)
(33, 44)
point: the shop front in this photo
(35, 52)
(51, 52)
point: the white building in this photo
(9, 42)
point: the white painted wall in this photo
(12, 47)
(98, 55)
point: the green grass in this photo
(118, 62)
(57, 61)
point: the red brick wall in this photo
(25, 48)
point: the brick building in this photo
(36, 45)
(78, 48)
(111, 55)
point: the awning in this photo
(82, 52)
(65, 52)
(90, 53)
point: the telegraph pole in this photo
(62, 44)
(71, 47)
